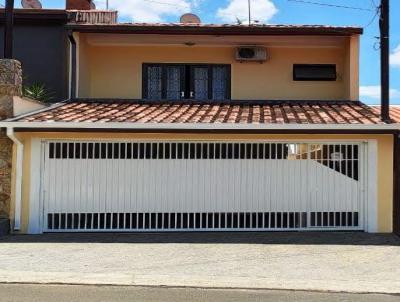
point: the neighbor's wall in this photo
(116, 71)
(385, 160)
(5, 174)
(42, 51)
(23, 105)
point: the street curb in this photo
(196, 281)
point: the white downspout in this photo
(18, 177)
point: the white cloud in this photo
(149, 10)
(395, 57)
(374, 92)
(261, 10)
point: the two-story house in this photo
(200, 127)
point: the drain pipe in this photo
(73, 71)
(18, 178)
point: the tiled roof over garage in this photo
(394, 112)
(233, 112)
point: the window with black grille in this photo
(186, 81)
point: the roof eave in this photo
(215, 30)
(87, 126)
(37, 16)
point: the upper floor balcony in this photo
(204, 62)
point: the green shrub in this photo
(38, 92)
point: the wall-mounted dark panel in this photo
(314, 72)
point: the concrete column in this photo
(10, 86)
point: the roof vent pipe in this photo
(78, 4)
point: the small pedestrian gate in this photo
(202, 186)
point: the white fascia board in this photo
(192, 126)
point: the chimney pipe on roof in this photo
(78, 4)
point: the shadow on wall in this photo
(298, 238)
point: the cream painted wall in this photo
(115, 71)
(83, 66)
(385, 160)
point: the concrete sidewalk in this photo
(343, 262)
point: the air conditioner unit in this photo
(251, 54)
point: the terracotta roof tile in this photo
(233, 112)
(394, 112)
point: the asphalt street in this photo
(69, 293)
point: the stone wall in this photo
(10, 85)
(5, 174)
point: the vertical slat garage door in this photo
(201, 186)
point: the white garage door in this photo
(202, 186)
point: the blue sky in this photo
(280, 11)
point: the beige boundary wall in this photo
(384, 160)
